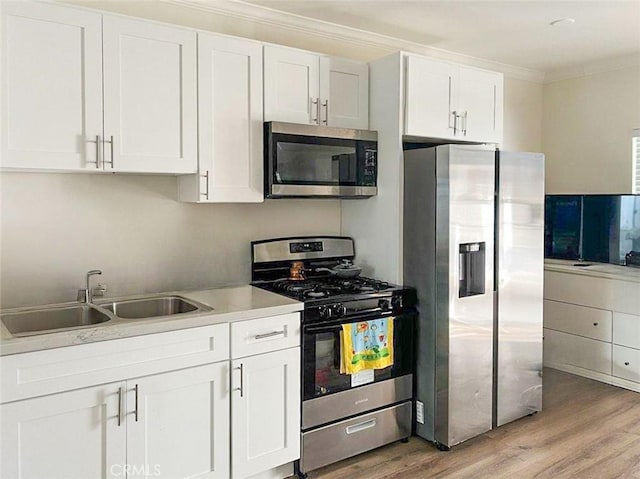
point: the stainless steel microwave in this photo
(309, 161)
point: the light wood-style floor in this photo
(586, 430)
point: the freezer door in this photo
(520, 264)
(464, 292)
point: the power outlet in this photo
(420, 412)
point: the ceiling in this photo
(514, 32)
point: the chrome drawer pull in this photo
(361, 426)
(206, 177)
(269, 335)
(241, 388)
(119, 406)
(136, 414)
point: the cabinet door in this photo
(291, 85)
(480, 99)
(230, 118)
(430, 99)
(68, 435)
(178, 423)
(149, 97)
(265, 411)
(51, 87)
(344, 93)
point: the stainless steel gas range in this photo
(342, 414)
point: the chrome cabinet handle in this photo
(241, 388)
(325, 105)
(206, 191)
(455, 122)
(97, 162)
(464, 131)
(119, 406)
(136, 403)
(269, 335)
(110, 141)
(361, 426)
(314, 101)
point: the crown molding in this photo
(308, 26)
(611, 64)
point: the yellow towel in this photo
(366, 345)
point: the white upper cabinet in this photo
(51, 87)
(480, 96)
(305, 87)
(291, 85)
(149, 97)
(230, 157)
(448, 101)
(87, 92)
(429, 98)
(344, 93)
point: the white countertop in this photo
(230, 304)
(602, 270)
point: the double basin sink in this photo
(43, 320)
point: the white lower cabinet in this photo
(67, 435)
(592, 327)
(171, 425)
(168, 405)
(563, 349)
(626, 363)
(265, 411)
(178, 423)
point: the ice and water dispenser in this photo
(472, 269)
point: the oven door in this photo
(308, 163)
(321, 356)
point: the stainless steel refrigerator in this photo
(473, 249)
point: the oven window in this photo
(317, 164)
(321, 358)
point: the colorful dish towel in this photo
(366, 345)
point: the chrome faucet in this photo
(85, 295)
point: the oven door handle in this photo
(315, 328)
(324, 329)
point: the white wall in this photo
(522, 115)
(55, 227)
(586, 136)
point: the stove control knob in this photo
(326, 312)
(396, 302)
(340, 310)
(384, 305)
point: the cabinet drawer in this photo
(54, 370)
(626, 363)
(570, 350)
(591, 291)
(262, 335)
(626, 330)
(338, 441)
(570, 318)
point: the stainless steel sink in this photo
(152, 307)
(53, 319)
